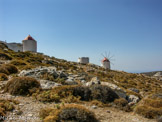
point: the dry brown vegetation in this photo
(8, 69)
(3, 77)
(22, 86)
(75, 93)
(68, 113)
(150, 107)
(6, 105)
(4, 56)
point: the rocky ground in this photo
(28, 111)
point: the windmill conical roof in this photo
(29, 38)
(105, 60)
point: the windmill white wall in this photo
(105, 64)
(83, 60)
(29, 44)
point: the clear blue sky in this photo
(67, 29)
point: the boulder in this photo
(63, 75)
(46, 84)
(133, 98)
(93, 81)
(120, 92)
(37, 72)
(70, 82)
(158, 74)
(111, 85)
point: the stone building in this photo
(28, 44)
(83, 60)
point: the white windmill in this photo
(105, 62)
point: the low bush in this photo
(68, 113)
(21, 85)
(56, 94)
(151, 106)
(5, 105)
(96, 92)
(83, 92)
(8, 69)
(3, 77)
(120, 102)
(18, 63)
(148, 112)
(103, 93)
(4, 56)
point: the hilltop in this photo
(39, 87)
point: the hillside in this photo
(37, 87)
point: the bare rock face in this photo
(70, 81)
(37, 72)
(158, 74)
(120, 92)
(93, 81)
(133, 99)
(46, 84)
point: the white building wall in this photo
(105, 64)
(83, 60)
(29, 45)
(17, 47)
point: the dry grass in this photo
(3, 77)
(150, 107)
(8, 69)
(4, 56)
(5, 106)
(148, 112)
(21, 86)
(71, 112)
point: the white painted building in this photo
(28, 44)
(83, 60)
(105, 63)
(17, 47)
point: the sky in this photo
(131, 30)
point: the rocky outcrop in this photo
(93, 81)
(38, 72)
(46, 84)
(133, 99)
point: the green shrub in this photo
(68, 113)
(3, 77)
(21, 85)
(4, 56)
